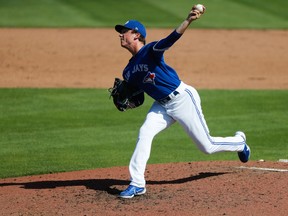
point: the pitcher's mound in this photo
(194, 188)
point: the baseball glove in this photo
(125, 96)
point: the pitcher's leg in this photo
(156, 121)
(189, 115)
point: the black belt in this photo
(168, 98)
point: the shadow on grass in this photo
(104, 184)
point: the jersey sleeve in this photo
(166, 43)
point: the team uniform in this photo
(175, 101)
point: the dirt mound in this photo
(195, 188)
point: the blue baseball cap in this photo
(132, 25)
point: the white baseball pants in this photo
(184, 108)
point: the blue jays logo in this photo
(149, 78)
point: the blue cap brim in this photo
(132, 24)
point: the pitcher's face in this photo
(127, 38)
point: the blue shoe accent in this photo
(245, 154)
(132, 191)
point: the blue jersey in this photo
(148, 71)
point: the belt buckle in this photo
(168, 98)
(164, 100)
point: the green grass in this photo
(54, 130)
(256, 14)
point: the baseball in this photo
(200, 8)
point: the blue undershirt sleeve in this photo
(166, 43)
